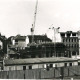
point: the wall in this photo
(72, 46)
(37, 66)
(22, 44)
(52, 73)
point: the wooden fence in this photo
(41, 73)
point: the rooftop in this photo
(19, 37)
(37, 61)
(69, 32)
(40, 37)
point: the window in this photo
(24, 67)
(51, 65)
(30, 67)
(68, 35)
(63, 40)
(16, 40)
(70, 64)
(75, 45)
(69, 40)
(78, 63)
(74, 34)
(66, 40)
(72, 40)
(56, 66)
(62, 35)
(2, 68)
(65, 64)
(73, 53)
(47, 68)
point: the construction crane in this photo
(33, 25)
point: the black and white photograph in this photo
(40, 39)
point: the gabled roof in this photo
(19, 37)
(39, 37)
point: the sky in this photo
(17, 16)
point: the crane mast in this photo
(33, 25)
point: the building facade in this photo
(49, 49)
(38, 39)
(78, 34)
(38, 63)
(3, 46)
(17, 41)
(42, 47)
(15, 44)
(71, 41)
